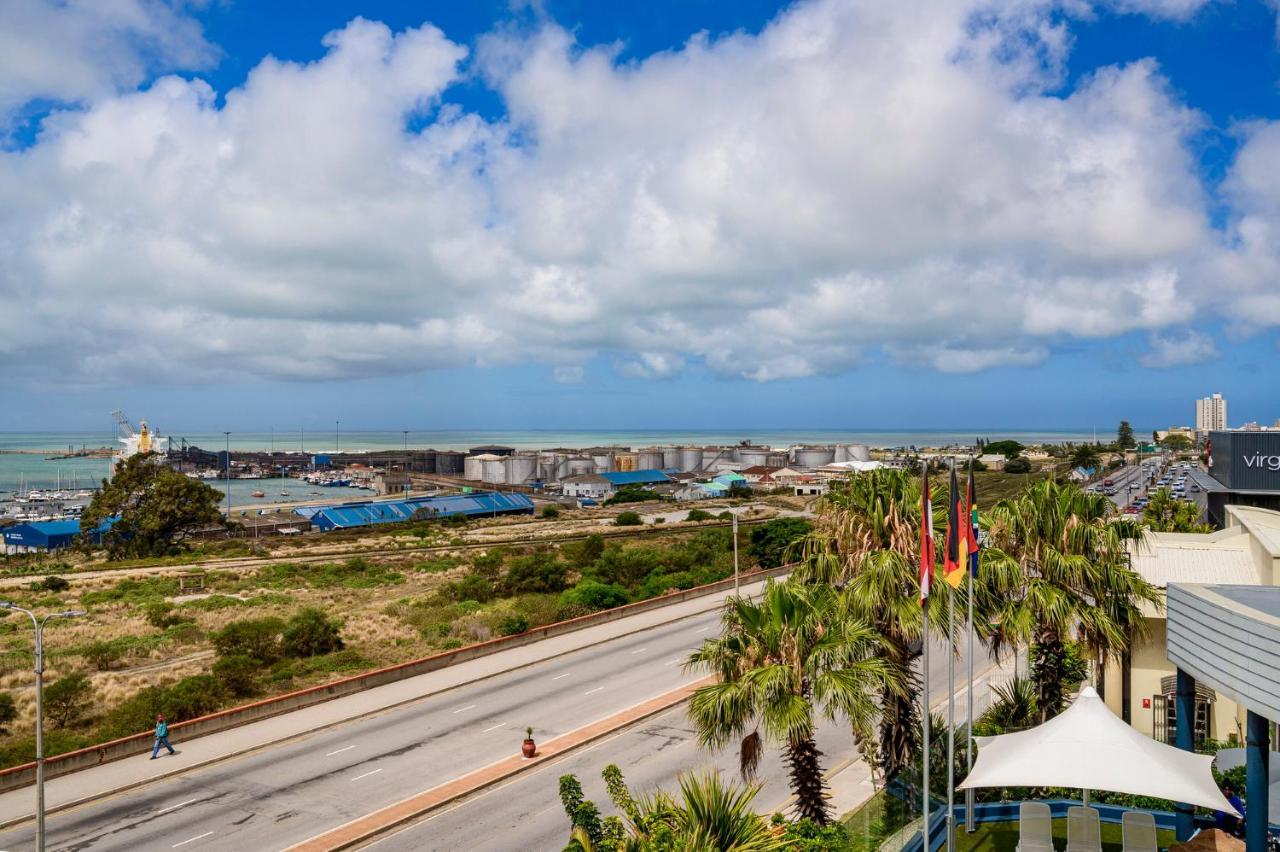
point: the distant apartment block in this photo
(1211, 414)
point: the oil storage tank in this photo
(859, 452)
(473, 468)
(670, 458)
(603, 460)
(753, 456)
(495, 470)
(815, 456)
(578, 465)
(777, 459)
(520, 469)
(690, 459)
(449, 463)
(650, 458)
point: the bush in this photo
(238, 674)
(1017, 465)
(513, 624)
(698, 515)
(54, 584)
(550, 512)
(537, 572)
(473, 587)
(67, 699)
(257, 638)
(193, 696)
(160, 614)
(102, 655)
(310, 633)
(8, 712)
(581, 554)
(594, 595)
(660, 520)
(725, 515)
(769, 542)
(628, 519)
(633, 494)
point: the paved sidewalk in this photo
(17, 806)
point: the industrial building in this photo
(479, 504)
(44, 536)
(597, 486)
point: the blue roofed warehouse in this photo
(477, 504)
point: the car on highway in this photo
(1195, 488)
(1108, 482)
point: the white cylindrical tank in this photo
(473, 468)
(650, 458)
(603, 461)
(547, 468)
(842, 452)
(859, 452)
(579, 465)
(671, 458)
(495, 470)
(690, 459)
(752, 456)
(777, 459)
(520, 469)
(815, 456)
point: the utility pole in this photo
(227, 473)
(335, 436)
(406, 463)
(38, 624)
(735, 553)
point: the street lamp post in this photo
(335, 436)
(735, 553)
(38, 624)
(227, 473)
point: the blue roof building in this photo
(475, 504)
(46, 535)
(635, 477)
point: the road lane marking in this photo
(704, 629)
(191, 840)
(175, 807)
(640, 651)
(590, 691)
(366, 775)
(464, 709)
(672, 662)
(494, 728)
(566, 674)
(340, 751)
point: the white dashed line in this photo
(191, 840)
(672, 662)
(639, 651)
(174, 807)
(339, 751)
(494, 728)
(704, 629)
(566, 674)
(366, 775)
(590, 691)
(464, 709)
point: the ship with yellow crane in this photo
(135, 441)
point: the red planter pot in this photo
(528, 748)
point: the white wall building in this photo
(1211, 414)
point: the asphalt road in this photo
(292, 791)
(526, 813)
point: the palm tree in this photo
(796, 653)
(1166, 513)
(1056, 568)
(866, 542)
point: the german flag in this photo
(957, 557)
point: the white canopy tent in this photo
(1088, 747)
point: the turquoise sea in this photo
(34, 470)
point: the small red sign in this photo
(1146, 704)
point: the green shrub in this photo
(489, 565)
(660, 520)
(53, 583)
(627, 519)
(160, 614)
(437, 566)
(633, 494)
(725, 515)
(698, 515)
(771, 542)
(1018, 465)
(68, 698)
(550, 512)
(193, 696)
(537, 572)
(595, 595)
(258, 638)
(310, 633)
(473, 587)
(513, 624)
(8, 712)
(56, 741)
(238, 674)
(102, 655)
(581, 554)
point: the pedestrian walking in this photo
(162, 737)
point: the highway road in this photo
(651, 754)
(286, 793)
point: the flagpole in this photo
(926, 722)
(970, 794)
(951, 700)
(926, 586)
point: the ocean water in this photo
(33, 470)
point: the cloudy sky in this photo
(841, 213)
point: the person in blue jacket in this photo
(162, 737)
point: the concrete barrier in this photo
(73, 761)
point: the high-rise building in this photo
(1211, 414)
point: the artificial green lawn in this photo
(1003, 837)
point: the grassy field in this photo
(1003, 837)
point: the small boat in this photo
(284, 493)
(258, 494)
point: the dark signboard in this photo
(1246, 461)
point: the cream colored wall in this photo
(1147, 667)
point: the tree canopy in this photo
(158, 508)
(1166, 513)
(1124, 436)
(1008, 449)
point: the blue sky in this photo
(585, 215)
